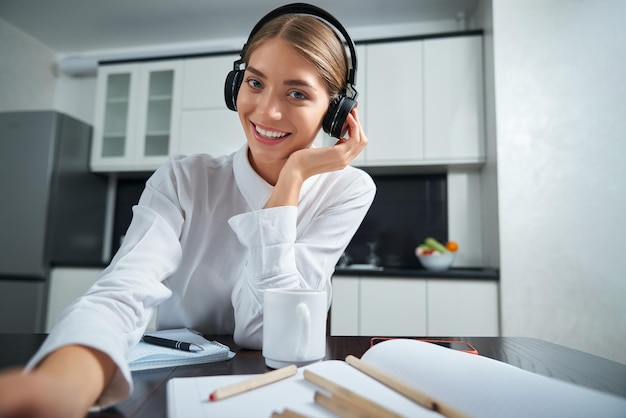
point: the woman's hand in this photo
(312, 161)
(305, 163)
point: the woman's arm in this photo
(66, 384)
(83, 360)
(306, 163)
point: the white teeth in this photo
(270, 134)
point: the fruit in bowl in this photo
(435, 256)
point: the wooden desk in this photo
(148, 399)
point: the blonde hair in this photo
(316, 41)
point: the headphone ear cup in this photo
(231, 88)
(335, 118)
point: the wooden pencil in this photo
(404, 389)
(288, 413)
(253, 383)
(353, 400)
(339, 406)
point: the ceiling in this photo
(75, 26)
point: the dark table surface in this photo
(149, 399)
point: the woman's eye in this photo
(298, 95)
(254, 83)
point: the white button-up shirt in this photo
(202, 248)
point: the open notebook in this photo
(149, 356)
(475, 385)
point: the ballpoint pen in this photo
(178, 345)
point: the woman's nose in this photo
(270, 105)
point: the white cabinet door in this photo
(158, 115)
(136, 116)
(203, 81)
(115, 109)
(394, 109)
(463, 308)
(207, 126)
(344, 312)
(453, 100)
(392, 307)
(386, 306)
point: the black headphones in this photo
(340, 107)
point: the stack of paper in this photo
(149, 356)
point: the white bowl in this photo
(437, 262)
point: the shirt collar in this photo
(254, 189)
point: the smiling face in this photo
(281, 104)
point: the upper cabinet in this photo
(425, 102)
(136, 115)
(394, 103)
(420, 102)
(453, 100)
(207, 125)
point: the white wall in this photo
(561, 128)
(29, 79)
(27, 67)
(76, 96)
(488, 191)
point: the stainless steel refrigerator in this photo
(52, 210)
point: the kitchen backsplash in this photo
(406, 210)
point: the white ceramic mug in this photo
(294, 326)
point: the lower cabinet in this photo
(388, 306)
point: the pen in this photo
(178, 345)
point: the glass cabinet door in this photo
(116, 115)
(159, 103)
(137, 113)
(158, 117)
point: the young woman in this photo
(209, 235)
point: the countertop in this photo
(412, 272)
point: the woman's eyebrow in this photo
(255, 72)
(297, 83)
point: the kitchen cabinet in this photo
(207, 126)
(453, 100)
(394, 108)
(460, 307)
(344, 313)
(420, 102)
(425, 102)
(405, 306)
(136, 115)
(392, 306)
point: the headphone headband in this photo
(307, 9)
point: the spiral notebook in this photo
(149, 356)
